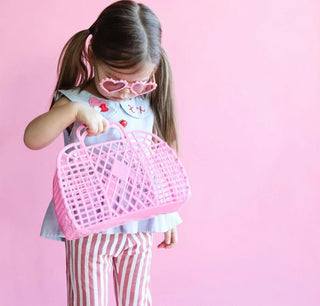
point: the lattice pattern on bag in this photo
(111, 183)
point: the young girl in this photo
(116, 70)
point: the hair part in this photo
(126, 34)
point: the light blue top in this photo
(139, 116)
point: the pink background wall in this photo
(247, 85)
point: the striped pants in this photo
(90, 259)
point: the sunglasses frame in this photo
(127, 85)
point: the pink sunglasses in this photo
(110, 85)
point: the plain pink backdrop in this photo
(247, 76)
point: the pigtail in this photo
(162, 103)
(74, 69)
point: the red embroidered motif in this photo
(131, 108)
(95, 102)
(141, 109)
(103, 107)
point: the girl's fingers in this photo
(105, 124)
(162, 245)
(92, 129)
(167, 236)
(170, 239)
(97, 126)
(173, 239)
(95, 122)
(100, 127)
(174, 236)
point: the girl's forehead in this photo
(137, 73)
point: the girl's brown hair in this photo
(126, 34)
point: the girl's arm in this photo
(41, 131)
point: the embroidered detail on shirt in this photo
(99, 105)
(131, 108)
(142, 110)
(137, 108)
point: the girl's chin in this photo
(115, 99)
(118, 98)
(111, 97)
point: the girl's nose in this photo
(125, 93)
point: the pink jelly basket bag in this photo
(108, 184)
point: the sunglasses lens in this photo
(143, 88)
(113, 85)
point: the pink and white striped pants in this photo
(89, 260)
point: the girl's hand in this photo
(170, 239)
(95, 122)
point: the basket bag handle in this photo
(82, 131)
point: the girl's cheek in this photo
(104, 94)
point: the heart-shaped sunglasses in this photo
(109, 85)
